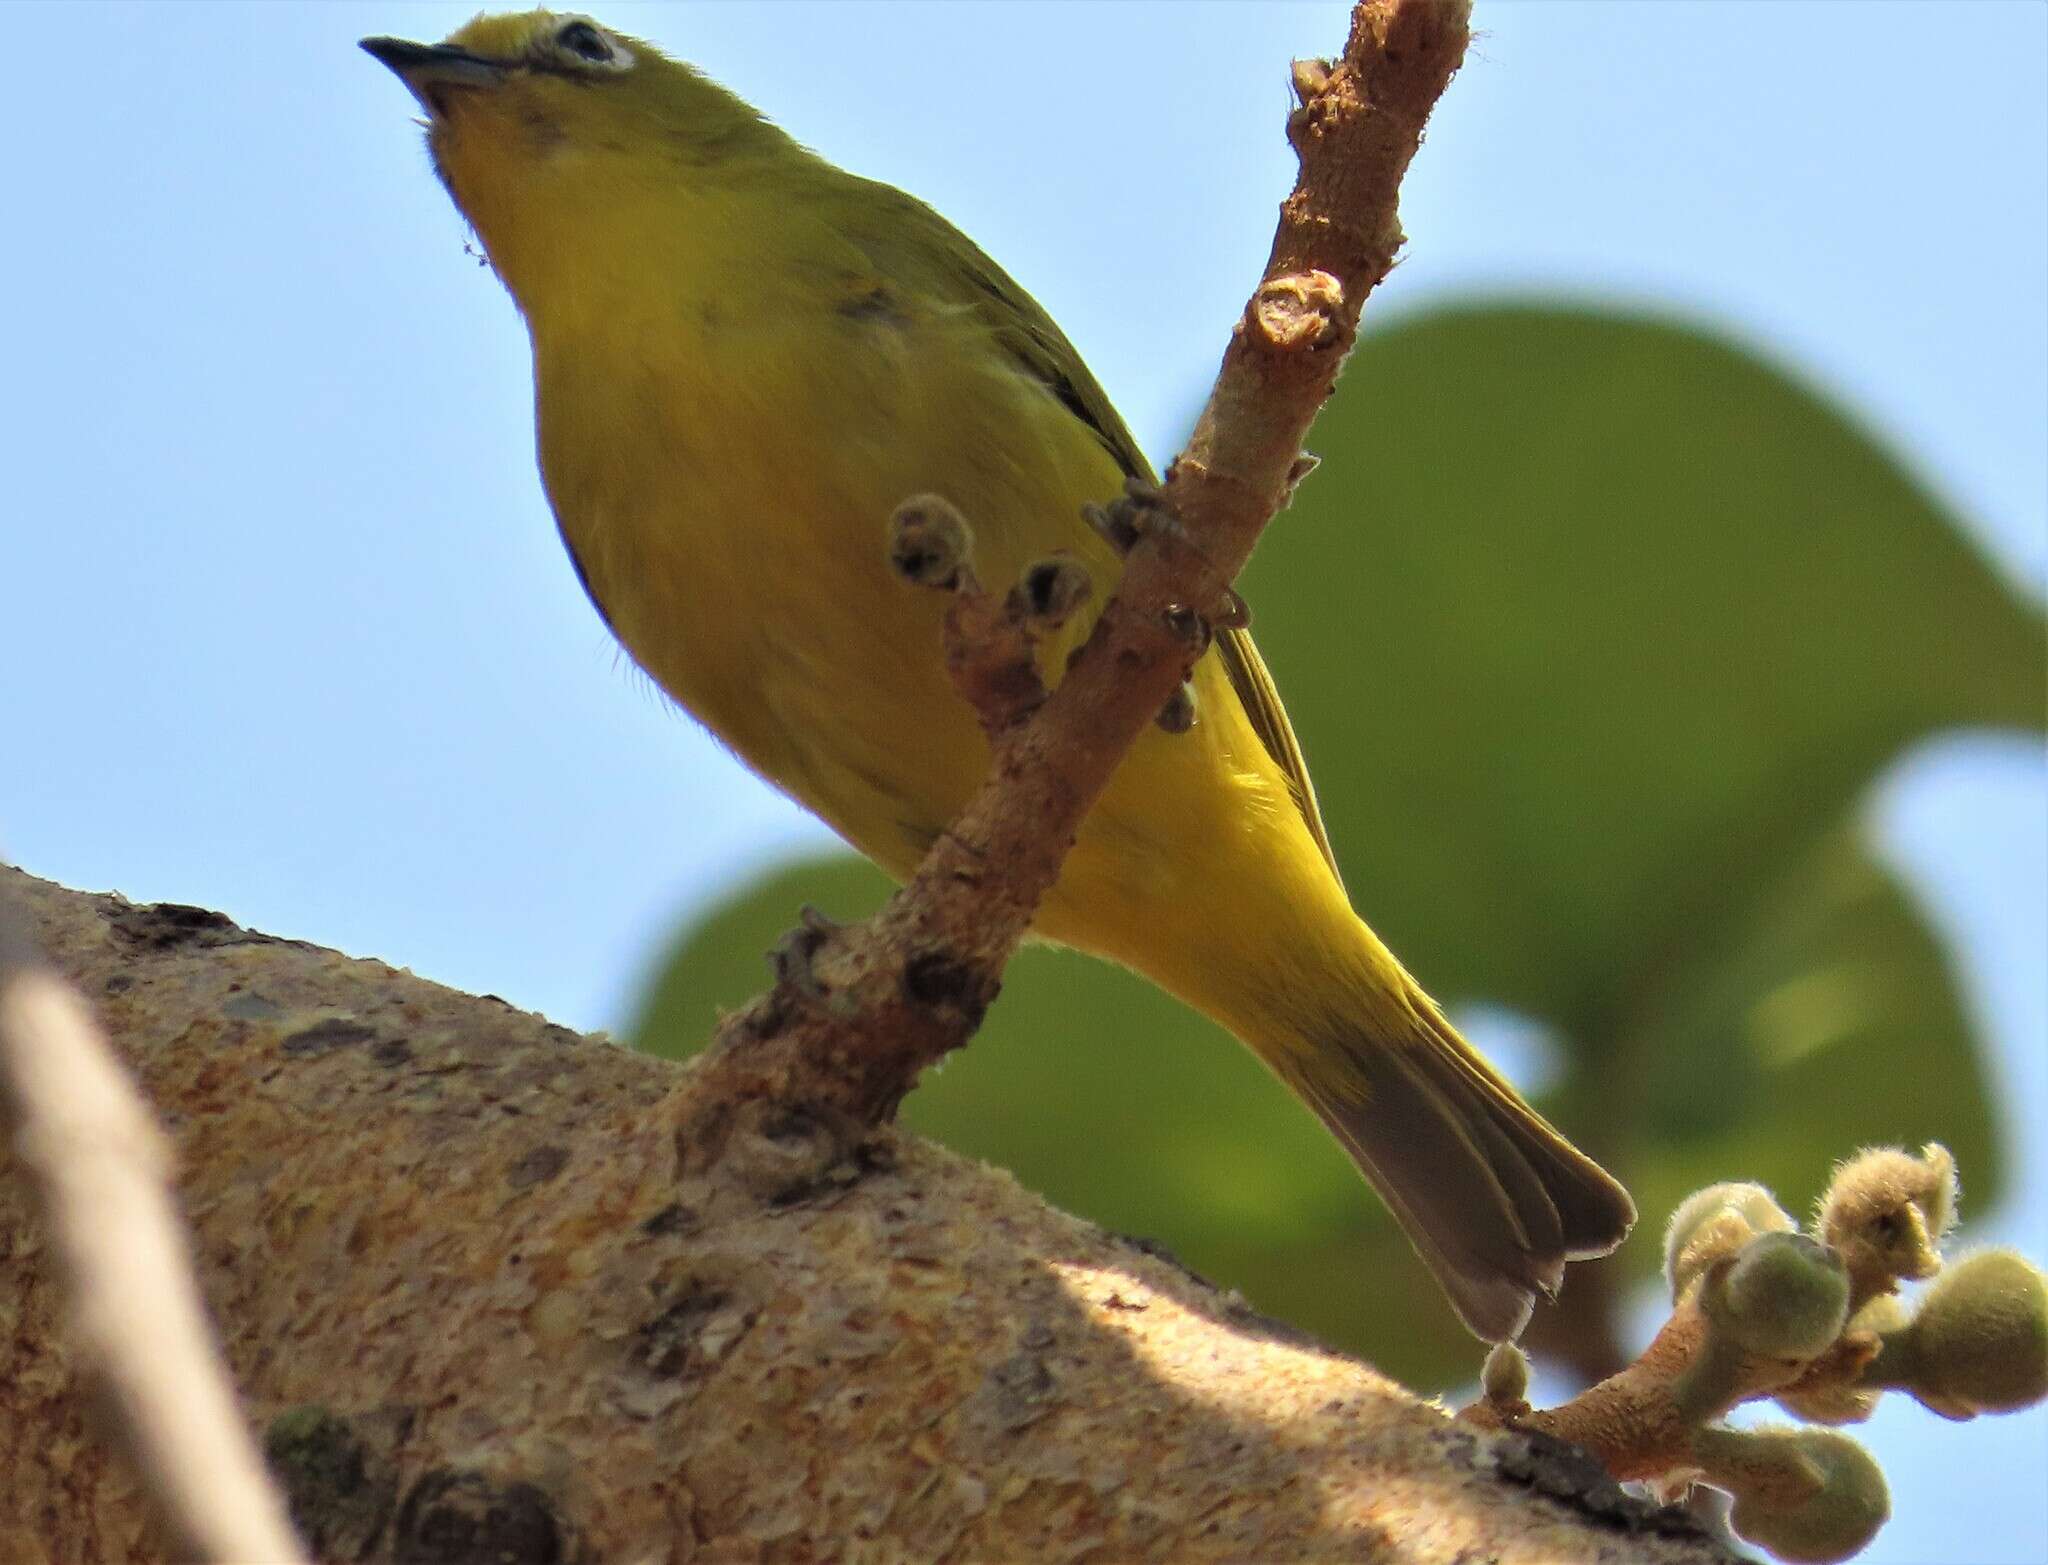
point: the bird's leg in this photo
(1194, 632)
(1139, 510)
(1142, 511)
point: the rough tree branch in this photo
(476, 1318)
(96, 1170)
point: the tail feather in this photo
(1492, 1197)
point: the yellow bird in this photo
(744, 359)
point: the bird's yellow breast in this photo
(724, 467)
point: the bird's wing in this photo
(1023, 330)
(1255, 688)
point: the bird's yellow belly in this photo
(739, 552)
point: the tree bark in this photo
(476, 1312)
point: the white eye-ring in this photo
(582, 43)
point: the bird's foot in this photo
(1142, 511)
(1178, 715)
(1139, 510)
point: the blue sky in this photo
(287, 631)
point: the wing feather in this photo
(1255, 688)
(1040, 349)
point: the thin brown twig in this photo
(99, 1169)
(837, 1044)
(1631, 1421)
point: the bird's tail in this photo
(1492, 1197)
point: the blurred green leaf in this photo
(1595, 630)
(1825, 1019)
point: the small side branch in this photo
(99, 1170)
(842, 1037)
(991, 640)
(1814, 1322)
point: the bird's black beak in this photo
(431, 70)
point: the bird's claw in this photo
(1140, 510)
(1178, 715)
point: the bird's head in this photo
(540, 122)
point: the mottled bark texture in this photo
(479, 1308)
(92, 1167)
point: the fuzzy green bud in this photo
(1506, 1375)
(1807, 1495)
(1979, 1341)
(1715, 1222)
(1887, 1211)
(1785, 1297)
(1779, 1304)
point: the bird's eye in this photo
(585, 42)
